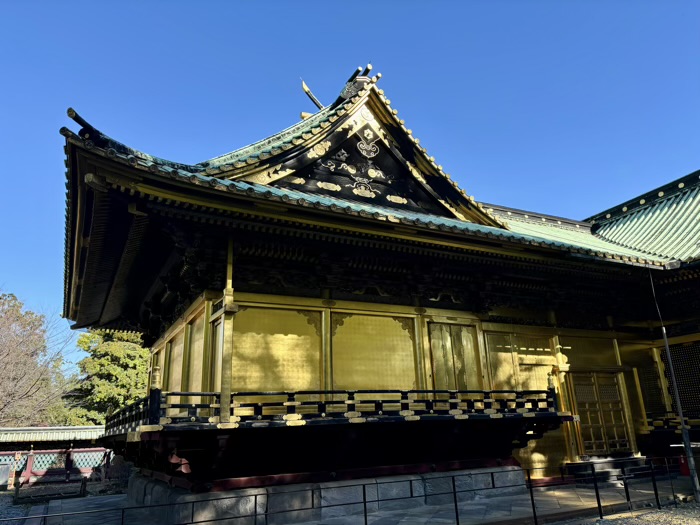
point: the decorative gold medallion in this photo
(319, 149)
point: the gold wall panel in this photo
(177, 346)
(455, 357)
(217, 349)
(372, 352)
(589, 352)
(519, 362)
(196, 354)
(275, 349)
(535, 359)
(502, 362)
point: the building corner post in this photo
(230, 309)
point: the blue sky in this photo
(560, 107)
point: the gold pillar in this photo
(570, 429)
(627, 407)
(663, 382)
(227, 357)
(207, 358)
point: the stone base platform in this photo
(309, 502)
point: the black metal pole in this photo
(532, 496)
(670, 480)
(597, 493)
(653, 482)
(627, 489)
(364, 501)
(454, 498)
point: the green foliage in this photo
(114, 374)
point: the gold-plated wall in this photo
(286, 343)
(177, 346)
(196, 354)
(589, 352)
(502, 362)
(519, 361)
(217, 350)
(372, 352)
(275, 349)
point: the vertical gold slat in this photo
(565, 403)
(574, 408)
(640, 396)
(227, 358)
(419, 352)
(455, 357)
(486, 380)
(425, 339)
(663, 383)
(166, 366)
(208, 353)
(186, 356)
(626, 406)
(326, 350)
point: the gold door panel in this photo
(455, 357)
(603, 429)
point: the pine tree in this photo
(114, 374)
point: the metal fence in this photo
(33, 466)
(482, 496)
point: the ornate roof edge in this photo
(335, 205)
(248, 160)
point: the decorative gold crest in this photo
(396, 199)
(362, 192)
(328, 186)
(319, 149)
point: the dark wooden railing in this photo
(180, 410)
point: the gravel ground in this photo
(685, 514)
(8, 510)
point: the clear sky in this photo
(561, 107)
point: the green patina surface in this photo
(668, 226)
(273, 142)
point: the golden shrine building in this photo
(327, 303)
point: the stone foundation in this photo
(305, 502)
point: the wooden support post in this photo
(227, 357)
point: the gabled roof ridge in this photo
(279, 136)
(550, 220)
(95, 138)
(428, 158)
(648, 199)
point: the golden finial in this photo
(310, 94)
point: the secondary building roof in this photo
(664, 222)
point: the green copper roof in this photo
(664, 222)
(280, 140)
(561, 237)
(565, 231)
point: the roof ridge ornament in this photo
(309, 94)
(356, 83)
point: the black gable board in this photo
(362, 168)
